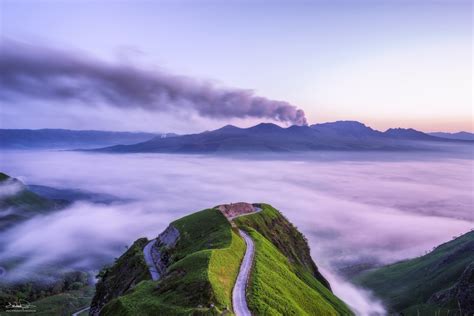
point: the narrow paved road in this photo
(238, 294)
(155, 275)
(81, 311)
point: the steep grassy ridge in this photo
(224, 267)
(275, 288)
(272, 225)
(284, 279)
(124, 275)
(411, 286)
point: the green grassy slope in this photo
(223, 269)
(128, 270)
(284, 279)
(287, 238)
(204, 266)
(275, 288)
(408, 285)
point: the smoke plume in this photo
(42, 73)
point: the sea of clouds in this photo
(372, 207)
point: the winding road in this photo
(155, 275)
(238, 294)
(239, 300)
(81, 311)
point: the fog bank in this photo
(352, 210)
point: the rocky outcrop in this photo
(235, 209)
(160, 249)
(461, 294)
(169, 237)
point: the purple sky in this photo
(387, 63)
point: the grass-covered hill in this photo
(199, 269)
(18, 203)
(438, 283)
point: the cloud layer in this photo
(352, 208)
(40, 73)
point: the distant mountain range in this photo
(459, 135)
(267, 137)
(67, 139)
(264, 137)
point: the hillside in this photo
(266, 137)
(72, 195)
(61, 294)
(441, 280)
(195, 263)
(19, 203)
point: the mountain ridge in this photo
(268, 137)
(458, 135)
(67, 139)
(263, 137)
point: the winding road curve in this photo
(238, 294)
(239, 301)
(155, 275)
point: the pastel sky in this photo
(387, 63)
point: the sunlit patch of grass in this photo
(275, 289)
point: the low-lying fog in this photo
(352, 207)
